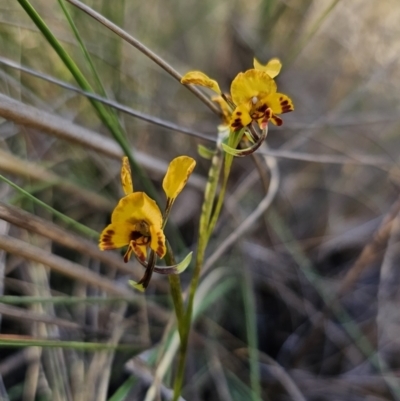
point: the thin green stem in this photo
(176, 291)
(218, 207)
(12, 341)
(204, 234)
(251, 328)
(233, 141)
(210, 191)
(188, 318)
(71, 222)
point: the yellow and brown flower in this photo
(137, 222)
(253, 96)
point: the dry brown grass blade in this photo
(98, 375)
(372, 251)
(23, 114)
(29, 116)
(14, 165)
(50, 230)
(60, 265)
(20, 314)
(388, 313)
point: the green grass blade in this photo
(14, 341)
(88, 59)
(124, 389)
(67, 220)
(251, 329)
(61, 300)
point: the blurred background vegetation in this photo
(303, 305)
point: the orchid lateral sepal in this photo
(204, 152)
(144, 281)
(246, 151)
(137, 286)
(173, 269)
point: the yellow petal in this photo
(279, 103)
(263, 122)
(276, 120)
(177, 174)
(199, 78)
(226, 110)
(240, 117)
(157, 243)
(135, 208)
(139, 250)
(126, 176)
(115, 236)
(251, 86)
(272, 68)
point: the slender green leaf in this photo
(124, 389)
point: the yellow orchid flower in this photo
(254, 94)
(136, 221)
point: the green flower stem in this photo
(188, 317)
(105, 116)
(209, 196)
(205, 230)
(233, 141)
(211, 187)
(251, 328)
(176, 291)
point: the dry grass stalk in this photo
(14, 165)
(60, 265)
(61, 236)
